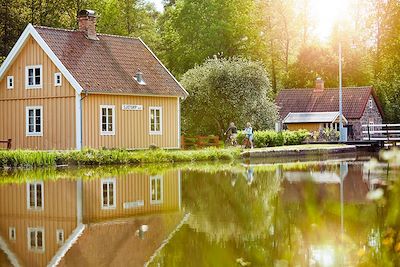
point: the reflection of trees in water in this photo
(224, 211)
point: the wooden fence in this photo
(381, 132)
(196, 142)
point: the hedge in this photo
(272, 138)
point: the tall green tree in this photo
(226, 90)
(192, 31)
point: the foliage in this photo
(325, 134)
(192, 31)
(34, 159)
(273, 138)
(226, 90)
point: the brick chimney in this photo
(319, 85)
(87, 23)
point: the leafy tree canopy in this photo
(225, 90)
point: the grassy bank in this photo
(35, 159)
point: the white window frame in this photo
(161, 179)
(370, 104)
(36, 230)
(10, 78)
(58, 232)
(28, 202)
(153, 132)
(57, 76)
(101, 120)
(108, 181)
(34, 86)
(34, 121)
(10, 235)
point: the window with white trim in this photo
(57, 79)
(33, 77)
(108, 192)
(12, 234)
(34, 121)
(10, 82)
(60, 236)
(370, 104)
(35, 195)
(36, 239)
(107, 120)
(155, 120)
(156, 189)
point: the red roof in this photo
(108, 65)
(355, 100)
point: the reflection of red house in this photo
(355, 188)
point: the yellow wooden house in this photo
(67, 89)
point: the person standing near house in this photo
(232, 133)
(248, 131)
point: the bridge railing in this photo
(381, 132)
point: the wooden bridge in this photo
(385, 134)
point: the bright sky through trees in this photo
(326, 13)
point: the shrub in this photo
(271, 138)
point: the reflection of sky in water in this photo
(258, 214)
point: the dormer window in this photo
(57, 79)
(139, 78)
(370, 103)
(10, 82)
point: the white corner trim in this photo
(31, 31)
(10, 255)
(78, 121)
(67, 245)
(179, 121)
(159, 61)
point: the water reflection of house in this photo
(41, 220)
(325, 184)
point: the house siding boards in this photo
(130, 188)
(58, 104)
(306, 126)
(132, 127)
(59, 212)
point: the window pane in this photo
(37, 80)
(37, 72)
(33, 238)
(110, 112)
(39, 239)
(110, 127)
(38, 195)
(110, 119)
(30, 81)
(105, 195)
(104, 127)
(104, 111)
(111, 194)
(30, 73)
(31, 196)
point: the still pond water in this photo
(342, 212)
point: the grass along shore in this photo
(91, 157)
(35, 159)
